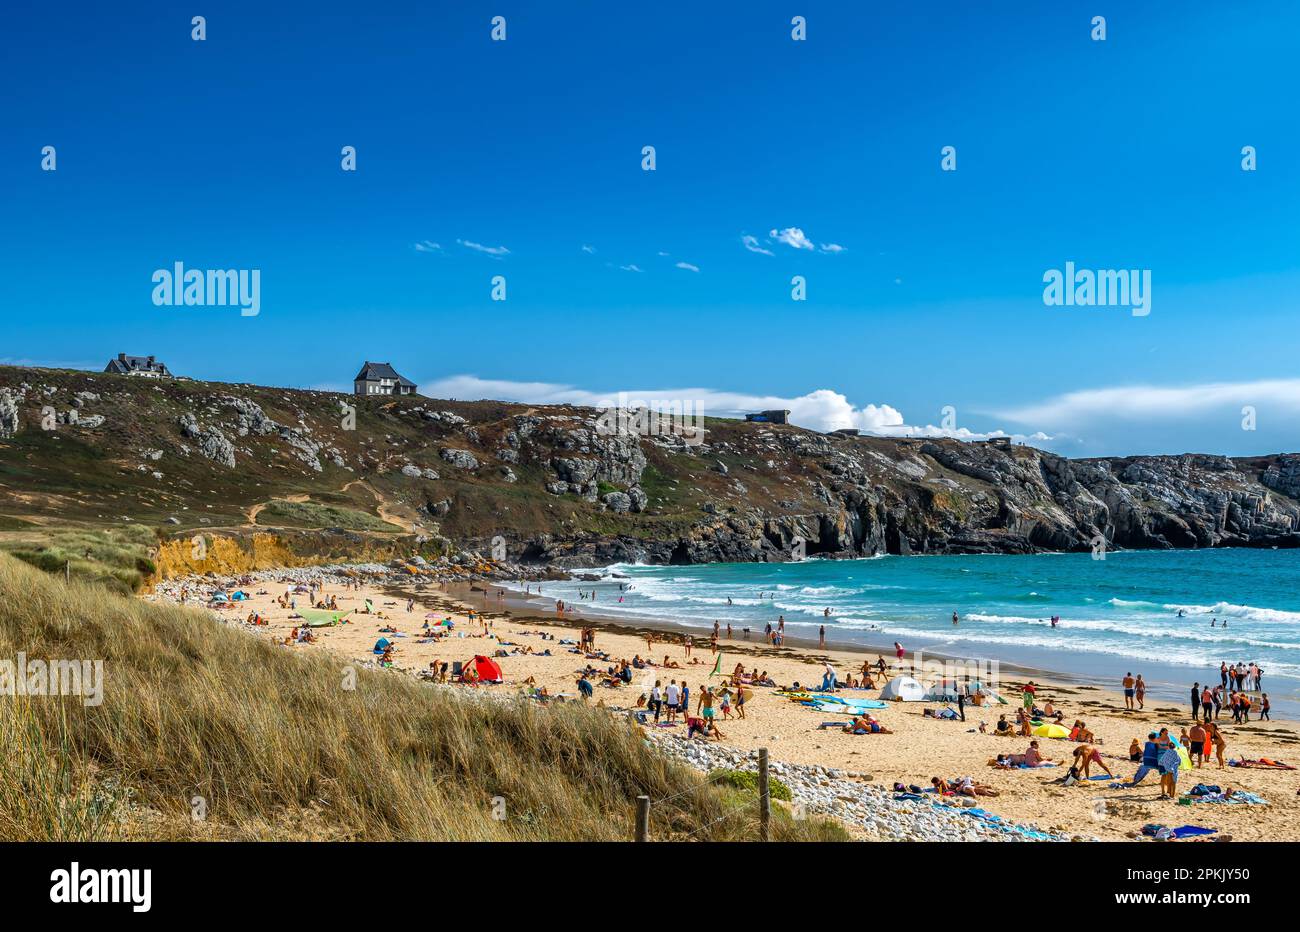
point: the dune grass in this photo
(117, 557)
(207, 732)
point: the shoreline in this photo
(1163, 691)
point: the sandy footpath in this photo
(919, 748)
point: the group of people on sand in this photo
(1209, 703)
(675, 699)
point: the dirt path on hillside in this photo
(381, 506)
(256, 510)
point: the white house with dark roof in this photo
(380, 378)
(146, 366)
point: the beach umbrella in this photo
(1051, 731)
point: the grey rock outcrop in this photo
(461, 459)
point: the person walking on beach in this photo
(821, 637)
(1223, 674)
(1140, 692)
(1217, 695)
(1129, 683)
(656, 699)
(898, 652)
(1264, 707)
(1207, 702)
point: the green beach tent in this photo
(321, 618)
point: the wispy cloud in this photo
(589, 250)
(427, 246)
(1077, 411)
(750, 242)
(832, 247)
(792, 237)
(496, 251)
(822, 409)
(688, 267)
(630, 268)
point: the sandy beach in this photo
(919, 748)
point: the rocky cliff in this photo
(555, 485)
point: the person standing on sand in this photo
(1129, 683)
(672, 700)
(1207, 702)
(1220, 743)
(1264, 707)
(1140, 692)
(656, 700)
(1223, 674)
(1196, 740)
(898, 652)
(1217, 695)
(821, 637)
(706, 703)
(1196, 698)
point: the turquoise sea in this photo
(1144, 611)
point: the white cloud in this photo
(663, 253)
(589, 250)
(497, 251)
(1153, 403)
(822, 409)
(688, 267)
(832, 247)
(427, 246)
(751, 243)
(630, 268)
(792, 237)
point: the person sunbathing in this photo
(1031, 758)
(966, 786)
(670, 664)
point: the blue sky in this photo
(1118, 154)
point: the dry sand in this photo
(919, 748)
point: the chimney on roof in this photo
(121, 357)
